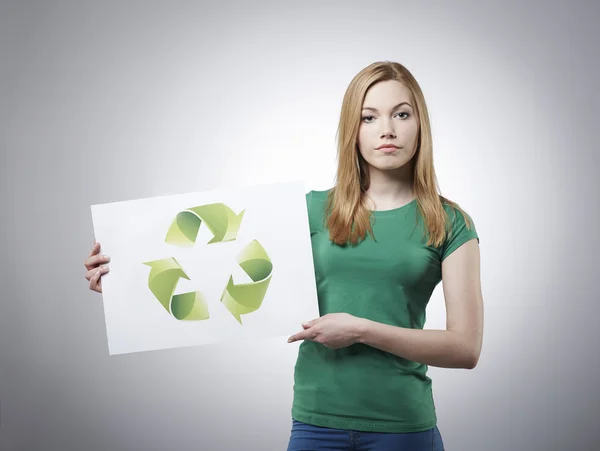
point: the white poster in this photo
(206, 267)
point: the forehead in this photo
(387, 94)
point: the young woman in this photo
(382, 239)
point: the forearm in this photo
(440, 348)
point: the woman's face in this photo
(388, 118)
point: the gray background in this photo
(111, 101)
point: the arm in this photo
(459, 346)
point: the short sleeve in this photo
(459, 234)
(311, 213)
(308, 200)
(315, 203)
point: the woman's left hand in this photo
(334, 330)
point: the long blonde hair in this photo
(348, 217)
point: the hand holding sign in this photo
(170, 284)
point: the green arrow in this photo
(219, 218)
(162, 281)
(247, 297)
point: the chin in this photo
(390, 166)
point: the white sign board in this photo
(206, 267)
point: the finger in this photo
(307, 334)
(297, 337)
(92, 272)
(94, 281)
(311, 323)
(99, 283)
(95, 249)
(93, 262)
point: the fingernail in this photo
(106, 258)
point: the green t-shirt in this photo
(389, 280)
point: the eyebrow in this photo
(397, 106)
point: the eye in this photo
(365, 118)
(406, 115)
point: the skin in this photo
(459, 345)
(96, 266)
(384, 122)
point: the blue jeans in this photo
(305, 437)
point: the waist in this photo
(362, 385)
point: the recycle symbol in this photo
(239, 299)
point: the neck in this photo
(390, 189)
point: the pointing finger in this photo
(299, 336)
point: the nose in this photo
(387, 130)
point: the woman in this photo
(382, 239)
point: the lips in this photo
(387, 146)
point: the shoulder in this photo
(317, 195)
(460, 227)
(316, 202)
(316, 198)
(457, 214)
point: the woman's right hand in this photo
(95, 268)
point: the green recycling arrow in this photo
(218, 217)
(162, 281)
(247, 297)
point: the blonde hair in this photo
(348, 217)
